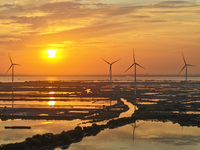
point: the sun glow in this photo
(51, 53)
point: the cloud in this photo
(174, 4)
(79, 34)
(80, 20)
(56, 17)
(10, 9)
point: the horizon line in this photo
(116, 75)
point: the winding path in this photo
(129, 112)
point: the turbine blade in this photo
(133, 56)
(184, 59)
(105, 61)
(130, 67)
(139, 65)
(10, 58)
(191, 65)
(17, 64)
(9, 68)
(182, 69)
(115, 61)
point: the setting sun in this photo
(51, 53)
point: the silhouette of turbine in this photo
(12, 66)
(134, 64)
(110, 72)
(186, 70)
(134, 125)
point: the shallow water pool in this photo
(142, 136)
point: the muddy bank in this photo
(49, 141)
(159, 101)
(164, 116)
(53, 114)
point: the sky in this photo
(84, 31)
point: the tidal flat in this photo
(78, 109)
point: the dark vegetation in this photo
(50, 141)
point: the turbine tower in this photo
(134, 64)
(12, 66)
(134, 125)
(110, 72)
(186, 70)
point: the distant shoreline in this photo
(105, 75)
(26, 78)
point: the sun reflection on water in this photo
(47, 122)
(51, 93)
(51, 103)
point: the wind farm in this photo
(96, 101)
(99, 75)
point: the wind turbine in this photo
(134, 64)
(110, 70)
(186, 70)
(12, 66)
(134, 125)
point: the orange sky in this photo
(85, 31)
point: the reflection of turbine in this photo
(12, 66)
(185, 67)
(110, 70)
(134, 128)
(136, 64)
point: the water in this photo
(147, 135)
(131, 110)
(43, 126)
(92, 78)
(37, 127)
(142, 135)
(78, 104)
